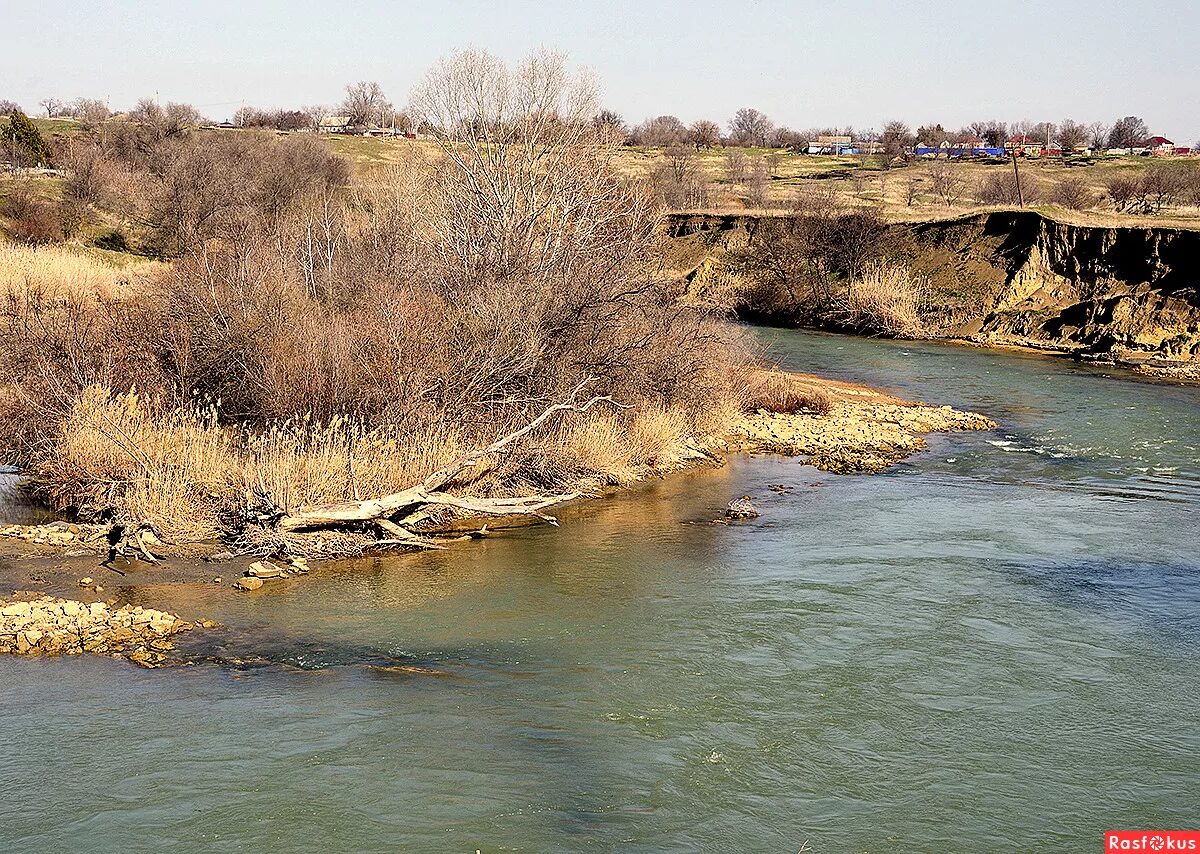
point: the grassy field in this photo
(902, 193)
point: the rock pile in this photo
(262, 570)
(53, 533)
(854, 437)
(48, 626)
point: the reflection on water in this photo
(16, 507)
(986, 647)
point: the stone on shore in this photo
(250, 582)
(48, 626)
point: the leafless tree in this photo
(92, 111)
(1128, 132)
(1071, 135)
(912, 189)
(316, 113)
(749, 127)
(51, 106)
(946, 183)
(172, 120)
(660, 132)
(896, 137)
(1073, 193)
(1097, 135)
(705, 134)
(524, 168)
(365, 103)
(759, 184)
(7, 106)
(735, 166)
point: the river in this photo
(995, 645)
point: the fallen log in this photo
(413, 504)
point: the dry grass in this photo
(63, 271)
(777, 391)
(887, 299)
(193, 478)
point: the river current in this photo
(993, 646)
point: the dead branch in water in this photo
(414, 504)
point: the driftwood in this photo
(395, 514)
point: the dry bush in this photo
(887, 299)
(1074, 194)
(31, 219)
(351, 339)
(171, 469)
(1000, 188)
(777, 391)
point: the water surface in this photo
(994, 645)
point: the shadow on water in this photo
(1160, 599)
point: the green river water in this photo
(994, 646)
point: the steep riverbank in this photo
(1014, 278)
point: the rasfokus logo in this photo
(1152, 840)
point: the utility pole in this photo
(1017, 175)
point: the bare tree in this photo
(705, 134)
(1128, 132)
(912, 189)
(524, 166)
(1097, 134)
(610, 123)
(1071, 135)
(759, 184)
(750, 127)
(92, 111)
(365, 103)
(51, 106)
(735, 166)
(896, 137)
(7, 106)
(946, 183)
(660, 132)
(316, 113)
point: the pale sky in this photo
(804, 64)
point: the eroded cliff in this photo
(1013, 277)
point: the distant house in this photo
(1160, 146)
(832, 145)
(335, 124)
(1026, 145)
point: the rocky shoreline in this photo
(855, 437)
(35, 624)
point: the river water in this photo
(994, 646)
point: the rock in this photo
(741, 508)
(86, 580)
(248, 583)
(16, 609)
(217, 580)
(260, 569)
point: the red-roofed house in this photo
(1160, 145)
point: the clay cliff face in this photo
(1131, 294)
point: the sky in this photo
(803, 64)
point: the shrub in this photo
(1073, 194)
(776, 391)
(1000, 188)
(887, 300)
(24, 142)
(32, 220)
